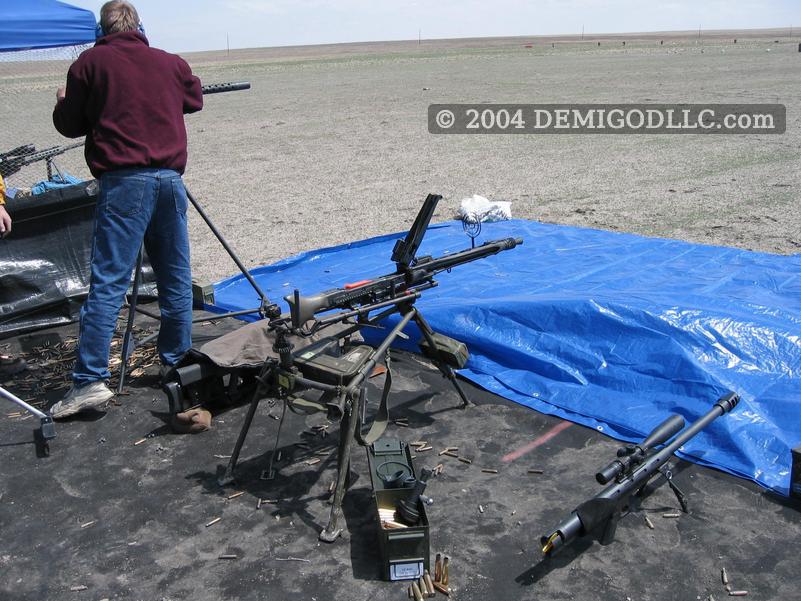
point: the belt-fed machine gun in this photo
(330, 373)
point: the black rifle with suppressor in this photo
(635, 466)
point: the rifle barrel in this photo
(446, 262)
(216, 88)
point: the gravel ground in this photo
(331, 143)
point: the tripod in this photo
(343, 395)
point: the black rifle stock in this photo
(631, 473)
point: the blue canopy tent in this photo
(33, 24)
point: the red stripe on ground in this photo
(536, 442)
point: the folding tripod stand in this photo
(344, 395)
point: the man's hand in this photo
(61, 94)
(5, 222)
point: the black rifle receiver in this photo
(602, 513)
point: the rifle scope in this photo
(632, 455)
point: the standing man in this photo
(129, 99)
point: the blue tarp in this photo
(613, 331)
(29, 24)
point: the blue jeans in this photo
(136, 205)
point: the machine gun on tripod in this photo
(634, 468)
(336, 371)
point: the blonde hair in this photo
(118, 15)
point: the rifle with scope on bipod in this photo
(634, 468)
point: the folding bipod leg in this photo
(347, 435)
(228, 477)
(446, 369)
(128, 344)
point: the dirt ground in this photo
(331, 143)
(123, 509)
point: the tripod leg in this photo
(227, 247)
(127, 338)
(446, 369)
(347, 434)
(228, 477)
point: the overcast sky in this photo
(187, 25)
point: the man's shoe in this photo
(11, 367)
(79, 399)
(191, 421)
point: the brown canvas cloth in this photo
(252, 344)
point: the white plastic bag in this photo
(481, 209)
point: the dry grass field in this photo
(331, 143)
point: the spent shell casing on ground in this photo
(489, 471)
(236, 494)
(724, 577)
(671, 515)
(212, 522)
(738, 593)
(438, 568)
(450, 454)
(536, 471)
(465, 460)
(418, 594)
(649, 522)
(227, 556)
(445, 569)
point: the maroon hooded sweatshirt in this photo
(129, 99)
